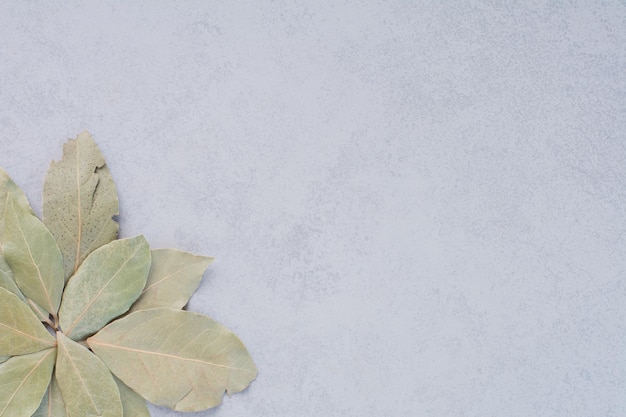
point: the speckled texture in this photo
(416, 210)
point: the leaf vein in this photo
(24, 381)
(167, 355)
(93, 300)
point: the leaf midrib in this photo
(79, 215)
(28, 335)
(166, 355)
(167, 277)
(82, 381)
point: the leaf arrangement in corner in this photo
(92, 325)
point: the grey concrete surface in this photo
(416, 208)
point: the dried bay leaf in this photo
(52, 404)
(174, 276)
(105, 286)
(86, 385)
(6, 278)
(33, 255)
(175, 358)
(132, 403)
(80, 201)
(20, 330)
(4, 358)
(8, 186)
(8, 282)
(23, 382)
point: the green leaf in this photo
(8, 282)
(6, 278)
(79, 201)
(134, 405)
(6, 275)
(52, 404)
(20, 330)
(174, 276)
(33, 255)
(175, 358)
(8, 186)
(24, 381)
(4, 358)
(105, 286)
(86, 384)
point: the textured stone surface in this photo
(415, 210)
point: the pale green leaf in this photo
(6, 278)
(79, 201)
(133, 404)
(23, 382)
(52, 404)
(175, 358)
(105, 286)
(39, 311)
(8, 186)
(6, 275)
(34, 257)
(20, 330)
(174, 276)
(4, 358)
(86, 384)
(7, 282)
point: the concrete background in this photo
(417, 209)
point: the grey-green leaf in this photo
(105, 286)
(33, 255)
(175, 358)
(8, 282)
(24, 381)
(20, 330)
(86, 384)
(4, 358)
(132, 403)
(52, 404)
(6, 278)
(8, 186)
(174, 276)
(79, 201)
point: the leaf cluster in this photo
(92, 325)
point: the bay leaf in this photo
(52, 404)
(86, 385)
(7, 185)
(39, 311)
(8, 282)
(24, 381)
(6, 275)
(175, 358)
(105, 286)
(174, 276)
(21, 331)
(132, 403)
(33, 256)
(6, 278)
(4, 358)
(80, 201)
